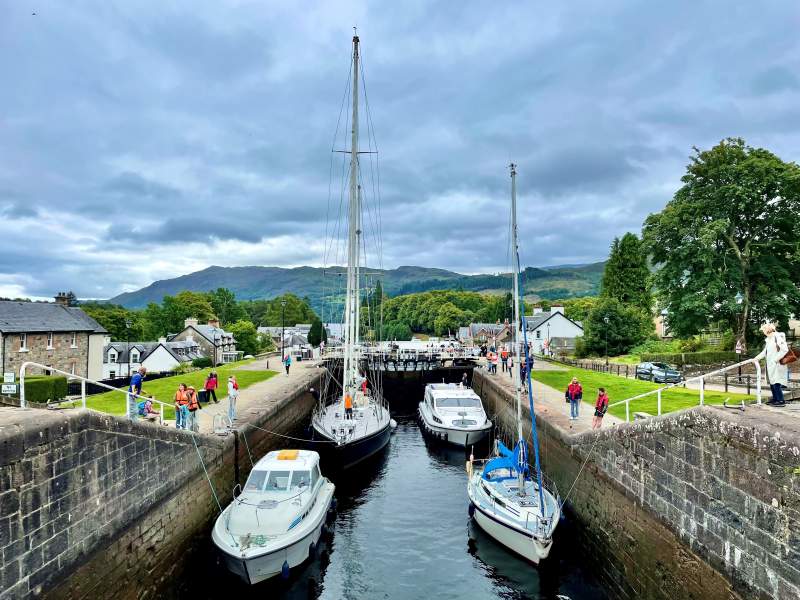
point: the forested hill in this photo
(251, 283)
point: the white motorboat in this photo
(355, 421)
(510, 500)
(276, 522)
(454, 414)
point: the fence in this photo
(74, 387)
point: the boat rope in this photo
(244, 437)
(202, 462)
(289, 437)
(564, 501)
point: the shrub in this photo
(692, 358)
(656, 346)
(692, 344)
(44, 389)
(202, 363)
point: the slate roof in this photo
(209, 332)
(492, 328)
(23, 317)
(147, 348)
(535, 321)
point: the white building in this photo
(120, 358)
(544, 326)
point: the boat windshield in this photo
(278, 481)
(300, 480)
(465, 402)
(255, 483)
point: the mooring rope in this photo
(202, 462)
(579, 472)
(244, 437)
(289, 437)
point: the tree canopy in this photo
(613, 328)
(626, 276)
(727, 246)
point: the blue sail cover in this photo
(515, 461)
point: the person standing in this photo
(233, 396)
(210, 386)
(600, 408)
(135, 390)
(192, 406)
(574, 395)
(348, 406)
(464, 380)
(181, 412)
(287, 362)
(775, 348)
(504, 359)
(511, 366)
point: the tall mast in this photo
(350, 365)
(516, 348)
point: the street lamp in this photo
(740, 342)
(549, 349)
(128, 324)
(283, 325)
(606, 320)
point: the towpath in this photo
(550, 402)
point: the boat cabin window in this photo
(256, 481)
(314, 475)
(278, 480)
(465, 402)
(300, 480)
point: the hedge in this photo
(694, 358)
(202, 362)
(44, 389)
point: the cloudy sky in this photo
(143, 140)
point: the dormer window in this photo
(135, 356)
(112, 356)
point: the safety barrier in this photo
(701, 378)
(84, 381)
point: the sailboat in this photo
(357, 421)
(509, 500)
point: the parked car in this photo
(658, 372)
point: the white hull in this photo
(527, 547)
(457, 436)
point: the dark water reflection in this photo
(402, 531)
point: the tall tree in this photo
(223, 302)
(613, 328)
(317, 334)
(115, 319)
(626, 276)
(246, 336)
(728, 244)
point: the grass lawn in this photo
(164, 389)
(620, 388)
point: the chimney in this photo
(557, 308)
(190, 322)
(162, 340)
(62, 298)
(537, 310)
(213, 323)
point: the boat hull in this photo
(523, 544)
(350, 454)
(457, 437)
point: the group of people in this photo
(574, 397)
(186, 399)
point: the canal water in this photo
(402, 531)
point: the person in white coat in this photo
(233, 396)
(774, 350)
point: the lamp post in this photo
(283, 325)
(549, 349)
(606, 320)
(740, 342)
(128, 324)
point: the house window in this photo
(112, 374)
(50, 341)
(23, 342)
(74, 342)
(112, 357)
(135, 356)
(72, 368)
(538, 334)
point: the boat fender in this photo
(471, 509)
(285, 570)
(392, 423)
(312, 550)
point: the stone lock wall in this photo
(95, 506)
(700, 504)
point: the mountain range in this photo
(323, 285)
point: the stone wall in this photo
(94, 506)
(701, 504)
(61, 356)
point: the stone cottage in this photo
(214, 342)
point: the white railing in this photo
(84, 381)
(701, 379)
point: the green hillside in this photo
(322, 286)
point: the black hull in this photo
(350, 454)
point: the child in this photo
(600, 408)
(146, 409)
(181, 412)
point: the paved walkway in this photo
(550, 403)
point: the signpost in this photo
(8, 389)
(8, 377)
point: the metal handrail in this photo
(701, 379)
(84, 381)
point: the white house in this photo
(545, 326)
(120, 358)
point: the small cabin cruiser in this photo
(454, 414)
(276, 522)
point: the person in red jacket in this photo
(574, 395)
(210, 386)
(600, 408)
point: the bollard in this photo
(726, 382)
(83, 392)
(659, 402)
(748, 384)
(702, 391)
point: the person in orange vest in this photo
(192, 405)
(348, 406)
(181, 412)
(504, 359)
